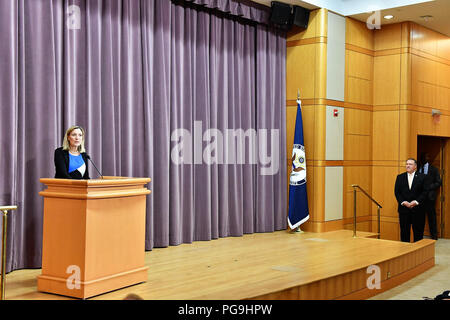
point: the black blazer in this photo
(432, 182)
(62, 166)
(417, 192)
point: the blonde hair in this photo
(66, 144)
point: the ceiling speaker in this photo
(300, 17)
(281, 14)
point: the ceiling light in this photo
(388, 17)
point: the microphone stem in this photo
(95, 167)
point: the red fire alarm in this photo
(335, 113)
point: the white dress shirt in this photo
(410, 181)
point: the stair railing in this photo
(355, 186)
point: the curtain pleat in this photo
(241, 8)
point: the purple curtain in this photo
(159, 88)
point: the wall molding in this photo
(303, 42)
(396, 51)
(329, 102)
(358, 49)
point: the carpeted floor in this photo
(428, 284)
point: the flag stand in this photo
(297, 230)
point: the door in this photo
(436, 147)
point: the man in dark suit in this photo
(432, 183)
(411, 193)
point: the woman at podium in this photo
(71, 158)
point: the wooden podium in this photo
(93, 235)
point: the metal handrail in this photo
(4, 210)
(354, 186)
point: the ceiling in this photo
(361, 10)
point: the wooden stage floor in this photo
(278, 265)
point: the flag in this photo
(298, 199)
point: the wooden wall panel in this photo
(383, 189)
(443, 75)
(357, 147)
(424, 39)
(358, 34)
(321, 23)
(423, 70)
(408, 142)
(430, 68)
(320, 83)
(387, 80)
(364, 226)
(424, 94)
(309, 130)
(422, 124)
(443, 98)
(443, 86)
(301, 67)
(405, 78)
(360, 65)
(363, 207)
(390, 230)
(359, 91)
(360, 175)
(443, 47)
(317, 27)
(306, 71)
(385, 135)
(388, 37)
(423, 81)
(358, 122)
(310, 188)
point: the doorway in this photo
(438, 149)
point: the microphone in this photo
(89, 158)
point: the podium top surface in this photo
(107, 180)
(108, 187)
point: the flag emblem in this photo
(298, 173)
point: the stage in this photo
(278, 265)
